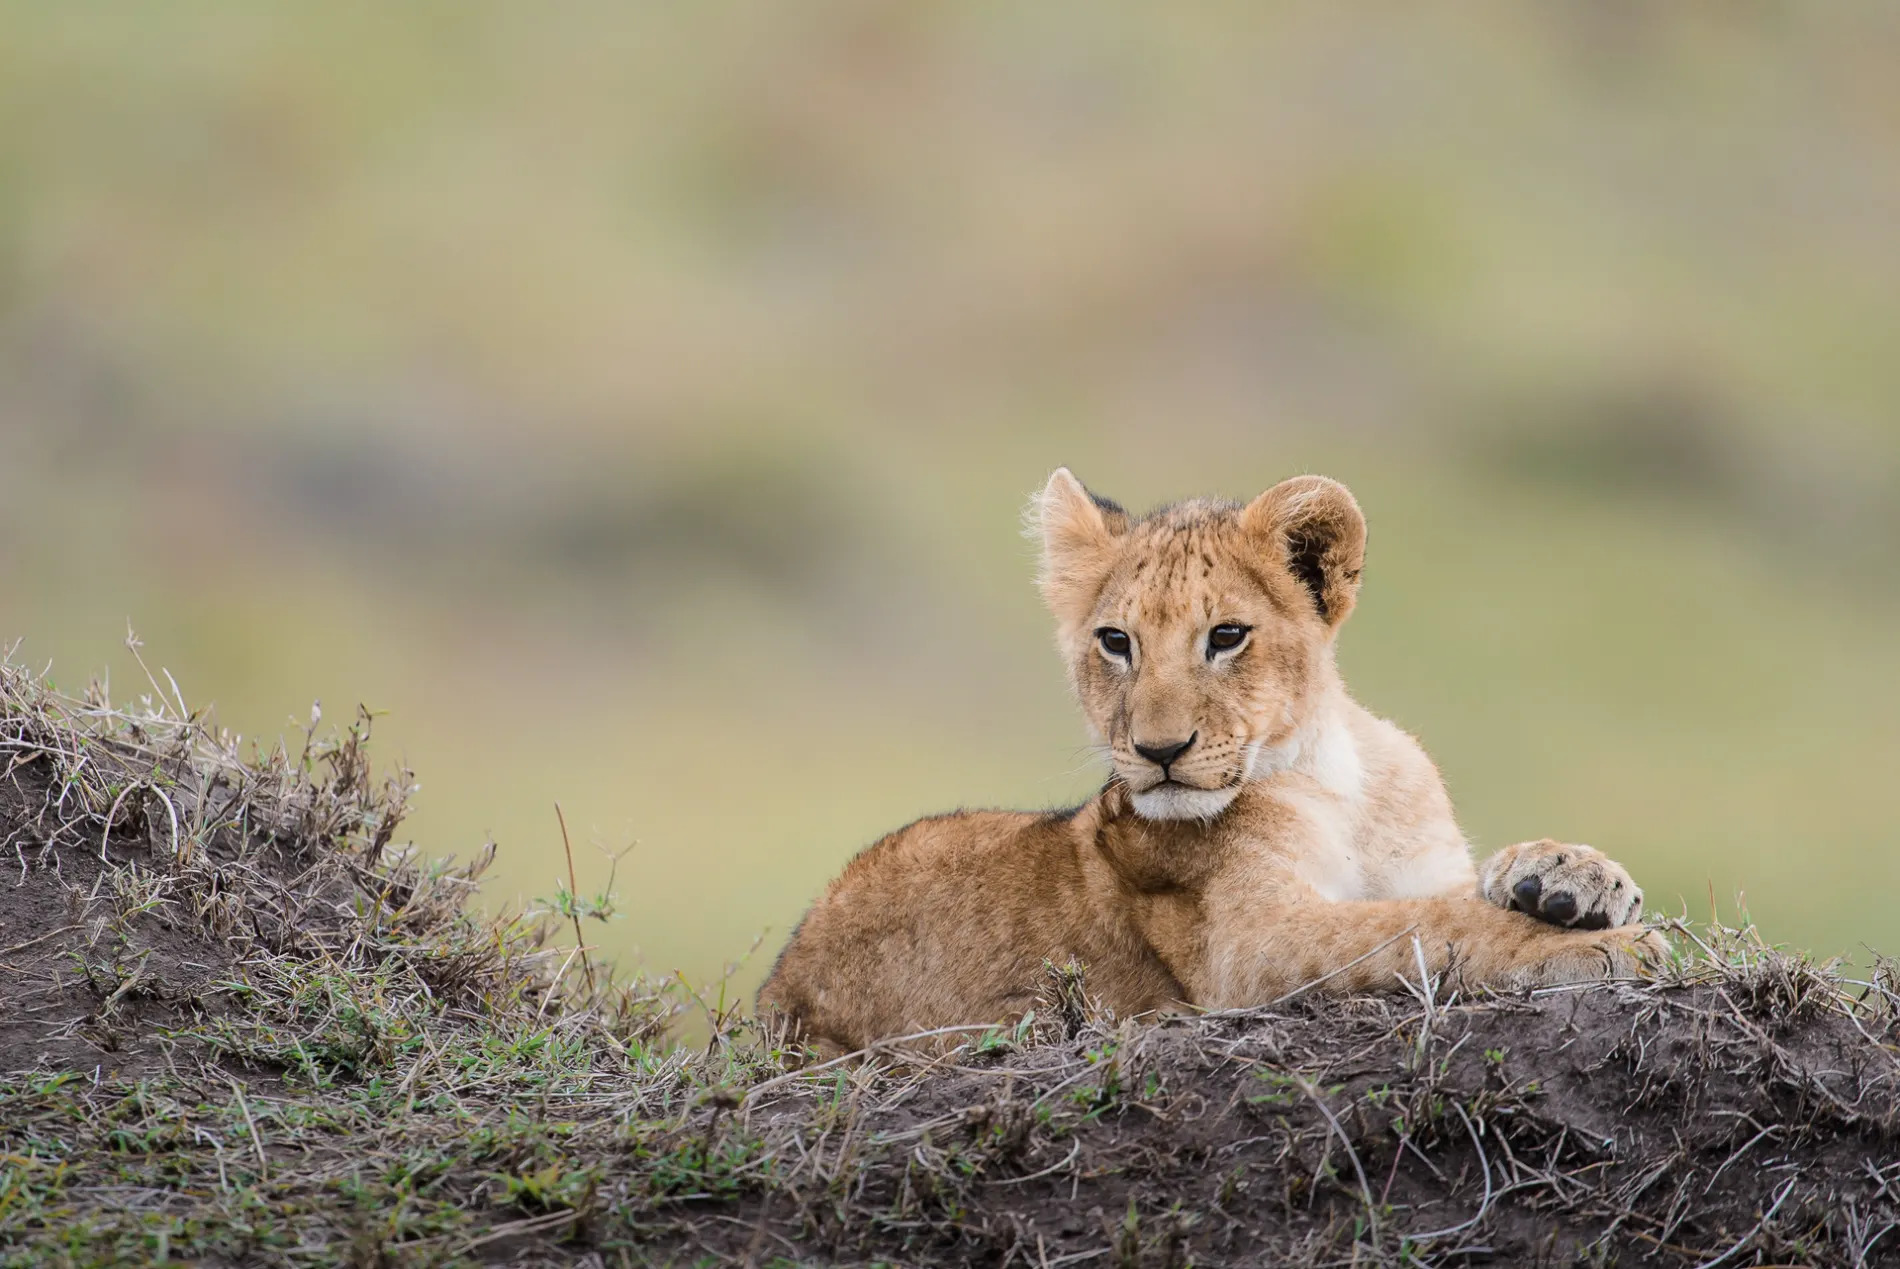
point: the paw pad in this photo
(1572, 886)
(1560, 906)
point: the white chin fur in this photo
(1172, 802)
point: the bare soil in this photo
(1736, 1121)
(237, 1028)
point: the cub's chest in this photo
(1322, 845)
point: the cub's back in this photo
(949, 918)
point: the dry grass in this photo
(243, 1027)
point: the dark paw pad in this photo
(1570, 886)
(1560, 906)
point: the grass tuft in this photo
(241, 1024)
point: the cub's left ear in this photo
(1314, 528)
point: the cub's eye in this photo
(1225, 637)
(1114, 642)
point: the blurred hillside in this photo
(638, 406)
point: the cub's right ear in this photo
(1079, 533)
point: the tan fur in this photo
(1296, 837)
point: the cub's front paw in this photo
(1573, 886)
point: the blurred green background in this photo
(638, 402)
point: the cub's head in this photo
(1200, 637)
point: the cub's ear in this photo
(1314, 527)
(1079, 534)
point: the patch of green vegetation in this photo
(371, 1074)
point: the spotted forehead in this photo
(1188, 564)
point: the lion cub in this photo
(1261, 829)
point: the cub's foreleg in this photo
(1259, 954)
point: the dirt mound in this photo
(1748, 1118)
(243, 1028)
(156, 875)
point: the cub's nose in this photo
(1164, 755)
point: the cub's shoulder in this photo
(1388, 751)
